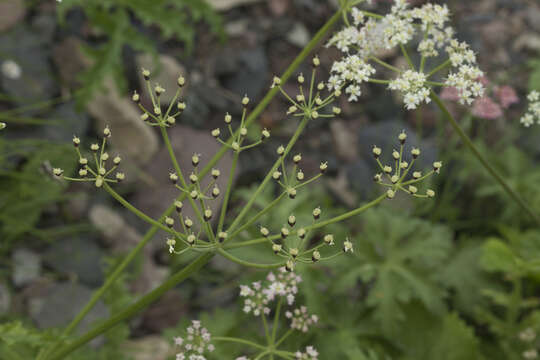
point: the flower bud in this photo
(264, 231)
(291, 220)
(76, 141)
(178, 206)
(280, 150)
(292, 109)
(276, 81)
(228, 118)
(276, 248)
(207, 214)
(413, 189)
(144, 116)
(347, 246)
(404, 165)
(215, 192)
(58, 171)
(300, 79)
(158, 90)
(314, 114)
(301, 233)
(289, 266)
(243, 131)
(390, 193)
(294, 252)
(181, 106)
(336, 110)
(394, 179)
(300, 98)
(415, 152)
(117, 160)
(317, 213)
(395, 155)
(265, 134)
(193, 178)
(245, 100)
(171, 120)
(417, 174)
(222, 235)
(300, 175)
(323, 167)
(102, 171)
(387, 169)
(437, 166)
(315, 256)
(188, 222)
(316, 62)
(402, 137)
(291, 192)
(377, 177)
(104, 157)
(99, 182)
(94, 147)
(191, 239)
(173, 177)
(297, 158)
(376, 152)
(318, 101)
(235, 146)
(181, 81)
(146, 74)
(169, 221)
(157, 110)
(276, 175)
(120, 176)
(195, 159)
(83, 161)
(136, 97)
(284, 232)
(329, 239)
(83, 172)
(194, 194)
(215, 173)
(430, 193)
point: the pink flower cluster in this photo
(487, 107)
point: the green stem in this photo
(468, 142)
(409, 61)
(135, 308)
(439, 68)
(261, 355)
(266, 331)
(153, 230)
(276, 319)
(228, 192)
(258, 215)
(285, 336)
(233, 258)
(239, 341)
(263, 184)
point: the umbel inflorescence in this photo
(272, 301)
(369, 34)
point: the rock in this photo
(360, 178)
(340, 188)
(166, 312)
(153, 347)
(224, 5)
(151, 275)
(278, 7)
(72, 122)
(79, 256)
(26, 267)
(533, 17)
(132, 138)
(528, 41)
(165, 73)
(57, 304)
(157, 196)
(244, 71)
(118, 235)
(5, 299)
(29, 51)
(344, 140)
(237, 27)
(70, 60)
(11, 12)
(299, 35)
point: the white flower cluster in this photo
(533, 113)
(196, 343)
(310, 354)
(363, 40)
(412, 85)
(300, 319)
(258, 296)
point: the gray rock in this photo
(58, 304)
(71, 122)
(26, 267)
(344, 140)
(134, 140)
(244, 71)
(5, 299)
(299, 35)
(79, 256)
(11, 12)
(533, 17)
(118, 235)
(70, 60)
(30, 51)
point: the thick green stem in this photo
(468, 142)
(135, 308)
(153, 230)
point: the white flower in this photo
(195, 344)
(412, 85)
(300, 319)
(533, 112)
(310, 354)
